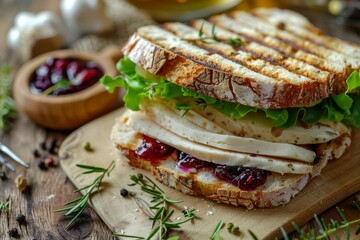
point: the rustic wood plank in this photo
(47, 191)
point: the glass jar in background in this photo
(183, 10)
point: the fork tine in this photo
(7, 164)
(12, 155)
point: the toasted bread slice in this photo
(277, 190)
(269, 68)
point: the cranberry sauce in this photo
(245, 178)
(152, 149)
(188, 163)
(75, 75)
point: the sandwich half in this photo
(243, 108)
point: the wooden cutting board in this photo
(339, 180)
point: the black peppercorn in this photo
(42, 165)
(13, 232)
(124, 192)
(2, 175)
(20, 218)
(36, 153)
(52, 147)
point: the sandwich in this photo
(244, 108)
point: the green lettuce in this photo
(343, 107)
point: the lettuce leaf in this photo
(343, 107)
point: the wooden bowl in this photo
(66, 112)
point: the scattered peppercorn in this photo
(52, 146)
(36, 153)
(20, 218)
(229, 226)
(124, 192)
(43, 145)
(49, 162)
(87, 146)
(13, 232)
(42, 165)
(235, 230)
(2, 175)
(21, 183)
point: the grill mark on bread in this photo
(297, 42)
(306, 30)
(276, 44)
(269, 69)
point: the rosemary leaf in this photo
(98, 169)
(234, 41)
(213, 33)
(215, 234)
(285, 235)
(201, 32)
(127, 236)
(182, 107)
(253, 235)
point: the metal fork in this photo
(6, 151)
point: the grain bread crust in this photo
(212, 79)
(278, 189)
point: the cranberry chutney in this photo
(245, 178)
(64, 76)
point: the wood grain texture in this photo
(339, 180)
(47, 191)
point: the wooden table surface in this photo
(48, 190)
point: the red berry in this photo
(49, 162)
(246, 178)
(187, 162)
(152, 149)
(85, 76)
(73, 69)
(61, 64)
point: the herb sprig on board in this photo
(77, 206)
(7, 104)
(159, 212)
(326, 229)
(5, 206)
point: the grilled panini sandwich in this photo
(243, 108)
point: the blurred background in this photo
(91, 25)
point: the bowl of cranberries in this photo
(61, 90)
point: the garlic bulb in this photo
(84, 17)
(30, 28)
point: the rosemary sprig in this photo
(5, 206)
(325, 229)
(161, 216)
(7, 105)
(60, 84)
(77, 206)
